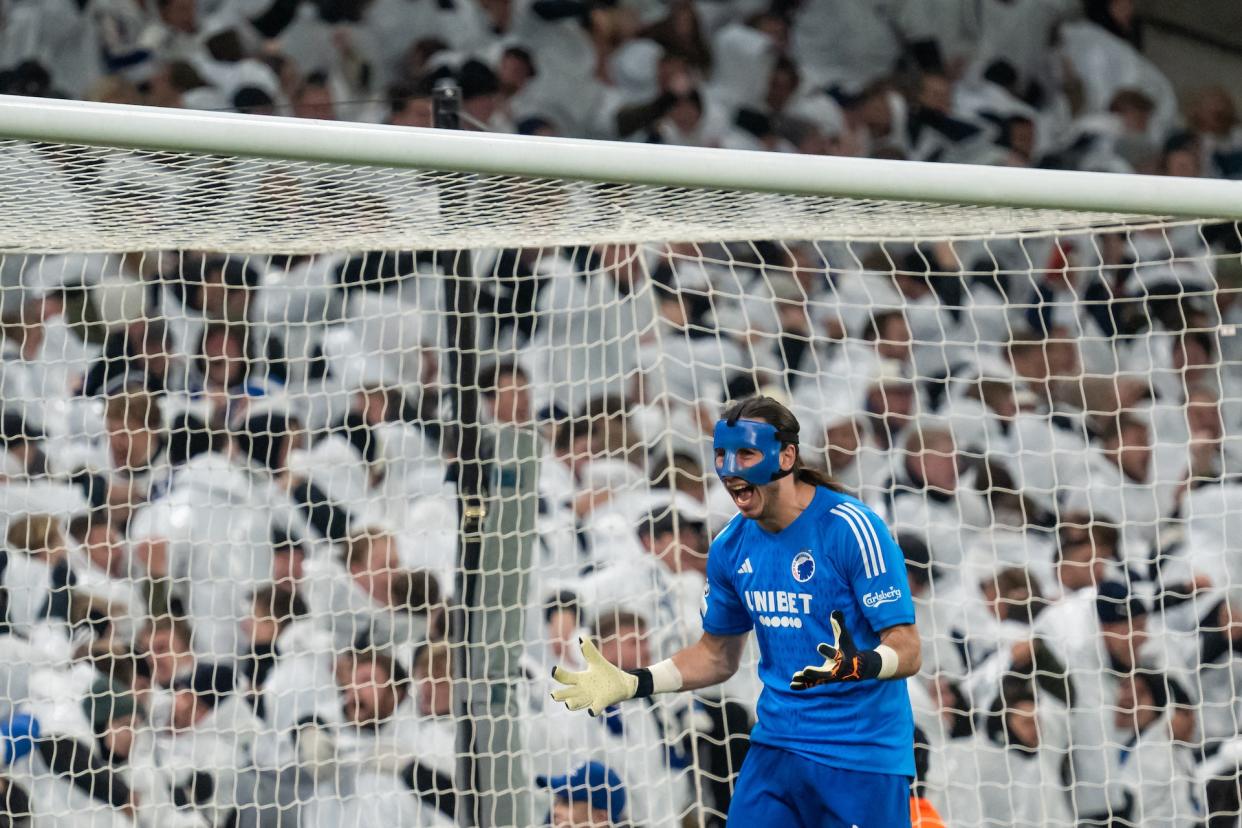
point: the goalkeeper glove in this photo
(842, 660)
(598, 687)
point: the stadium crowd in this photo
(230, 543)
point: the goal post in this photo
(229, 337)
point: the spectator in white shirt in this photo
(134, 465)
(398, 600)
(70, 771)
(123, 742)
(507, 392)
(38, 583)
(663, 579)
(225, 360)
(1086, 554)
(931, 501)
(100, 565)
(100, 545)
(175, 34)
(1098, 642)
(1104, 44)
(213, 730)
(586, 333)
(1213, 116)
(1011, 772)
(164, 643)
(890, 404)
(272, 611)
(1155, 779)
(431, 775)
(377, 736)
(313, 98)
(1128, 485)
(43, 359)
(853, 460)
(886, 337)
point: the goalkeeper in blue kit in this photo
(820, 580)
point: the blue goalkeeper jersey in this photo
(837, 555)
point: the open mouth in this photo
(743, 493)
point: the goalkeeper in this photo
(820, 580)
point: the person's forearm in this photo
(904, 642)
(708, 661)
(700, 668)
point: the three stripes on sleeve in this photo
(865, 534)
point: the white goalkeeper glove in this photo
(598, 687)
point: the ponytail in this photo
(815, 477)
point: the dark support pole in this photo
(461, 303)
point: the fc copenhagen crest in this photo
(803, 566)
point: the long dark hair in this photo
(772, 412)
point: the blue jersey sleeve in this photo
(723, 611)
(874, 565)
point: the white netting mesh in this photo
(231, 550)
(97, 198)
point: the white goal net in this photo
(233, 589)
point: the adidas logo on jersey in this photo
(746, 568)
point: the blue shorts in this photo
(777, 787)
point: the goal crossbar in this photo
(1125, 197)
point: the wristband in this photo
(889, 660)
(666, 678)
(663, 677)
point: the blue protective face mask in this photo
(749, 434)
